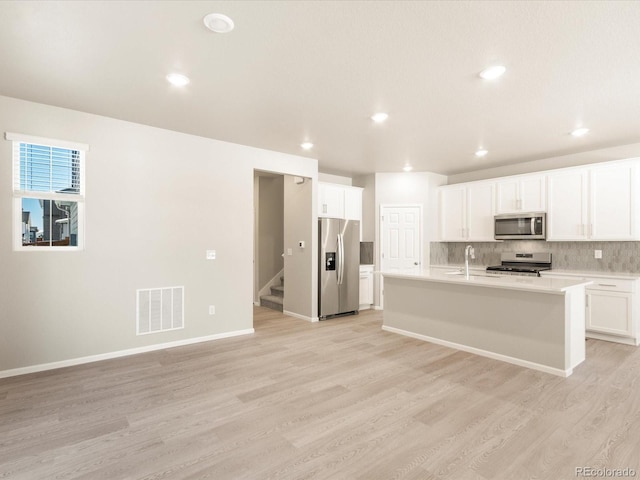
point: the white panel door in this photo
(567, 202)
(612, 212)
(401, 246)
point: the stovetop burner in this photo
(530, 264)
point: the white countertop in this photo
(549, 284)
(591, 274)
(554, 272)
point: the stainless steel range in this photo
(527, 264)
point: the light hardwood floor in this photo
(339, 399)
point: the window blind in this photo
(43, 168)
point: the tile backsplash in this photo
(366, 253)
(616, 256)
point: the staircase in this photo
(275, 300)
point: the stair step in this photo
(271, 301)
(277, 290)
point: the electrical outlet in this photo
(301, 244)
(289, 251)
(211, 254)
(597, 254)
(212, 309)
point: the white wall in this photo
(368, 183)
(270, 236)
(302, 263)
(147, 191)
(408, 188)
(328, 178)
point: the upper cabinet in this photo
(330, 200)
(521, 194)
(613, 202)
(567, 200)
(466, 212)
(340, 201)
(593, 203)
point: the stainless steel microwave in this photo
(521, 226)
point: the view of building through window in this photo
(49, 184)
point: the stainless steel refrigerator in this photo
(339, 269)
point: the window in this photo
(48, 193)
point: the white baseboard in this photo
(301, 317)
(377, 307)
(612, 338)
(482, 353)
(121, 353)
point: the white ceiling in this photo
(317, 70)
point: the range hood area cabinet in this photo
(521, 194)
(597, 202)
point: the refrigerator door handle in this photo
(340, 259)
(343, 262)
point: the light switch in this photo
(211, 254)
(597, 253)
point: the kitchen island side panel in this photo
(524, 325)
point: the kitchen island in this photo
(533, 322)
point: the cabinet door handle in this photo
(324, 208)
(606, 285)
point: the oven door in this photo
(525, 226)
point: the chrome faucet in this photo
(468, 252)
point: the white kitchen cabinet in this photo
(340, 201)
(366, 286)
(609, 312)
(466, 212)
(353, 203)
(613, 202)
(611, 307)
(567, 201)
(330, 200)
(593, 203)
(525, 193)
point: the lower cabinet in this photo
(609, 312)
(366, 286)
(612, 308)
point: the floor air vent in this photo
(159, 309)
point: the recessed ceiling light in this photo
(407, 168)
(579, 132)
(482, 152)
(493, 72)
(178, 79)
(218, 23)
(380, 117)
(307, 145)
